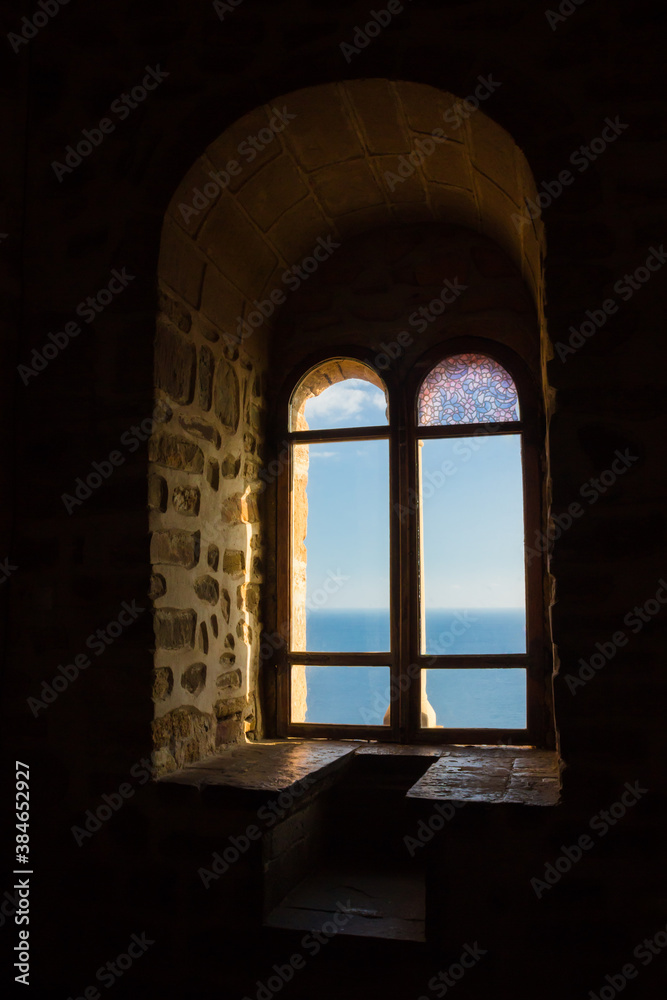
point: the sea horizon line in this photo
(461, 607)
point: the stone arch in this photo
(324, 375)
(328, 170)
(282, 186)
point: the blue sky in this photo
(473, 520)
(473, 523)
(352, 403)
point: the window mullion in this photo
(406, 525)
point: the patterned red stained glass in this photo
(467, 389)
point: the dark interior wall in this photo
(75, 569)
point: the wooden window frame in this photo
(405, 660)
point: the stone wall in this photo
(372, 292)
(206, 543)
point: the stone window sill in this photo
(483, 774)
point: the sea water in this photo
(462, 698)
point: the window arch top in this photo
(467, 389)
(339, 393)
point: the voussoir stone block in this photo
(222, 304)
(174, 628)
(379, 112)
(321, 131)
(347, 187)
(425, 108)
(448, 165)
(175, 453)
(275, 188)
(238, 250)
(400, 180)
(297, 229)
(175, 359)
(179, 266)
(175, 547)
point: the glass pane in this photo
(467, 389)
(344, 696)
(472, 545)
(492, 698)
(340, 546)
(353, 630)
(339, 393)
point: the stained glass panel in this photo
(467, 389)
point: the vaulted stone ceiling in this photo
(334, 161)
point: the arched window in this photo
(339, 579)
(414, 611)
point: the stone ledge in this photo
(270, 766)
(503, 775)
(400, 750)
